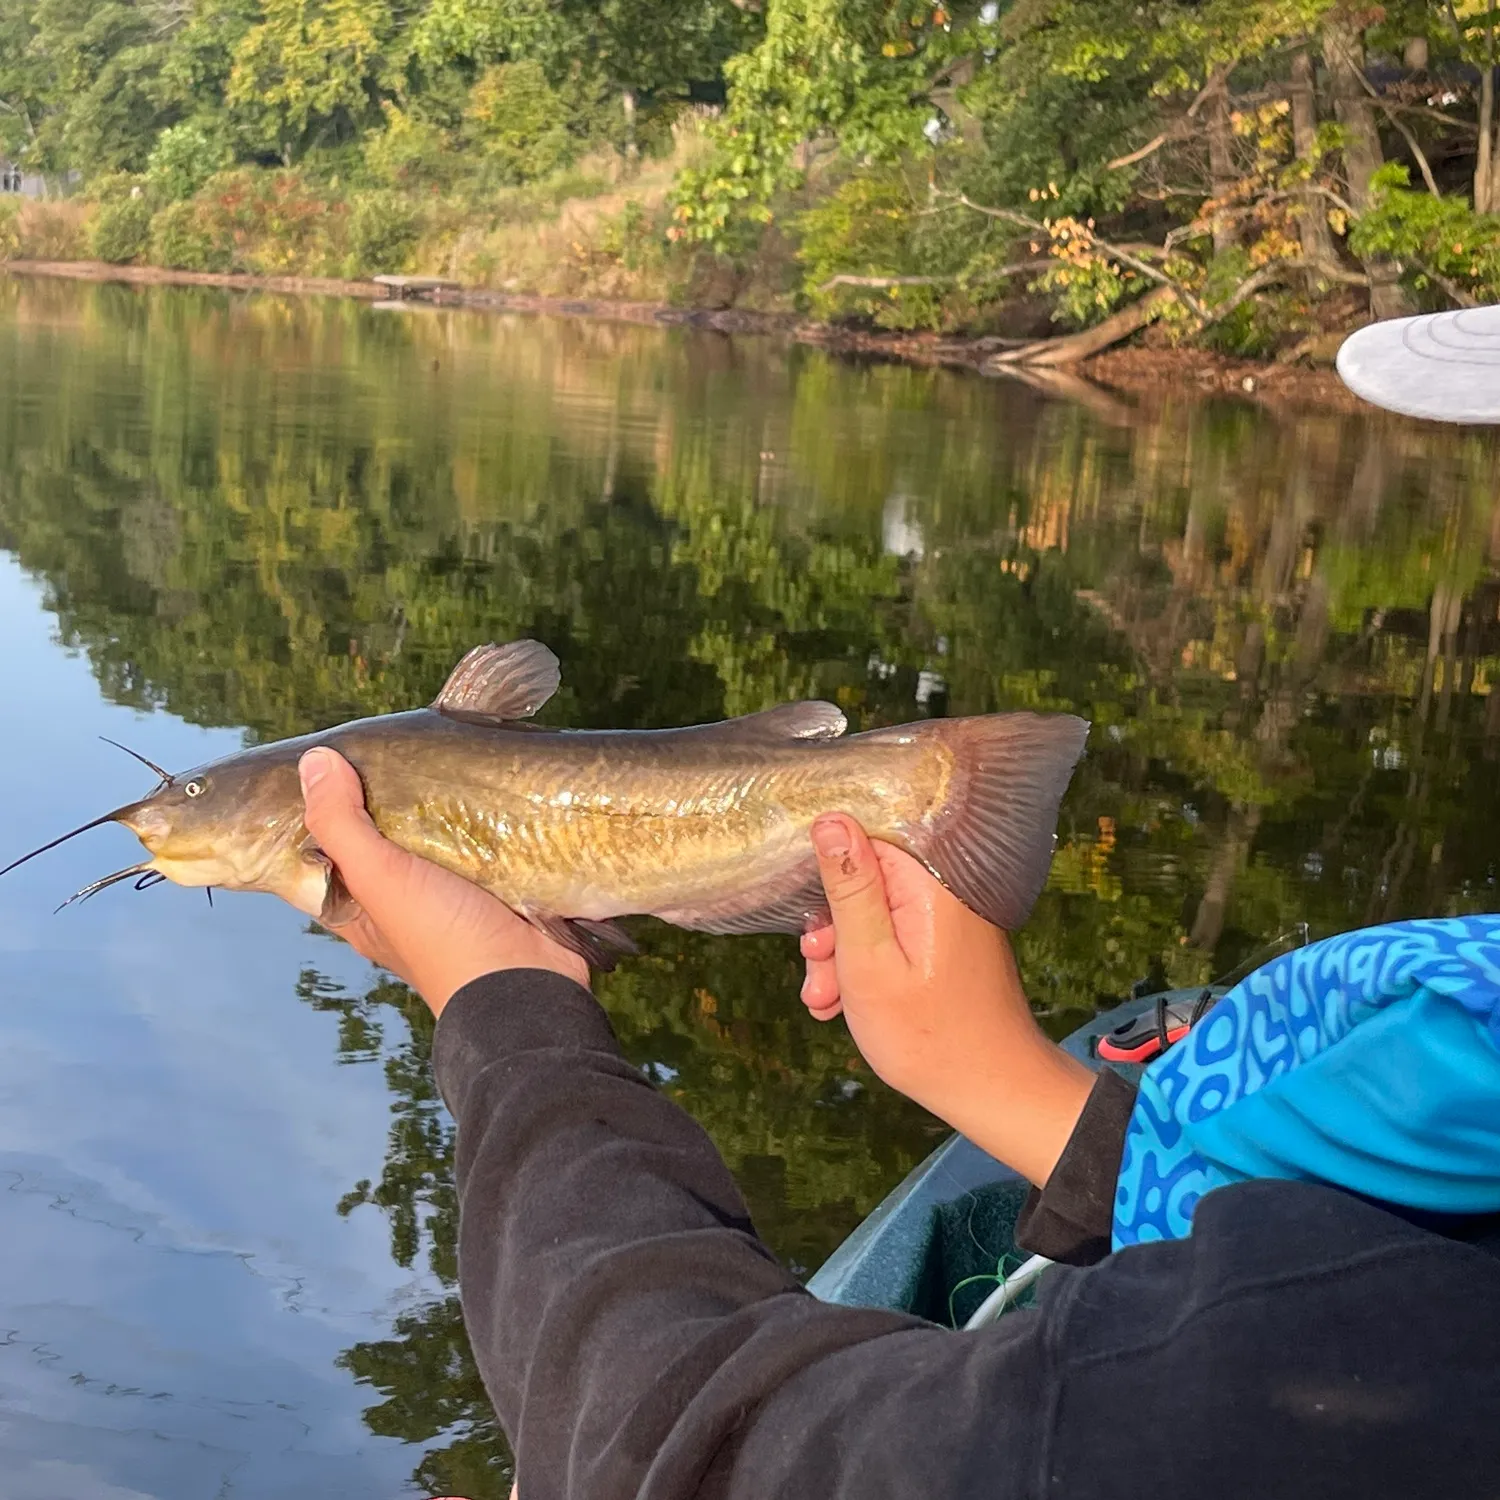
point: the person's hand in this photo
(934, 1001)
(434, 929)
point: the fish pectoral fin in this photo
(600, 944)
(339, 907)
(793, 902)
(810, 720)
(501, 682)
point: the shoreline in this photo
(1099, 383)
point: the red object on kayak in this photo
(1149, 1034)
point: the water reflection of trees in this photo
(1284, 626)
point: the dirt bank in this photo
(1140, 373)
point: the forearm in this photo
(1021, 1105)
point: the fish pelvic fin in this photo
(992, 843)
(600, 944)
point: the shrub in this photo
(121, 231)
(410, 152)
(277, 222)
(53, 231)
(383, 232)
(185, 238)
(112, 187)
(182, 160)
(865, 228)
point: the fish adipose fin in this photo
(991, 844)
(794, 902)
(811, 720)
(600, 944)
(501, 682)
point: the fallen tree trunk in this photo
(1075, 347)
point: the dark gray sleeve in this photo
(1072, 1219)
(634, 1333)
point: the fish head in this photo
(235, 823)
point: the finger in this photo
(820, 990)
(827, 1012)
(819, 943)
(334, 803)
(854, 886)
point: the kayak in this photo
(941, 1245)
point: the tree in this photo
(311, 69)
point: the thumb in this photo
(334, 802)
(854, 885)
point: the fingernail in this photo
(312, 768)
(830, 838)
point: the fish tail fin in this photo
(991, 843)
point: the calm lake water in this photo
(227, 1230)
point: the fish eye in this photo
(195, 789)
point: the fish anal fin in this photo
(500, 682)
(792, 902)
(600, 944)
(992, 843)
(810, 720)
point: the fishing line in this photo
(998, 1275)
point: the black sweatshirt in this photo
(638, 1339)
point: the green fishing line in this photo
(998, 1275)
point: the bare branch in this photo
(1400, 125)
(1450, 288)
(1436, 114)
(1178, 128)
(884, 281)
(996, 273)
(1112, 252)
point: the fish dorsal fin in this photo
(501, 682)
(791, 721)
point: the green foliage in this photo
(121, 231)
(384, 228)
(864, 228)
(183, 159)
(186, 237)
(310, 67)
(518, 122)
(1441, 237)
(943, 151)
(410, 153)
(114, 187)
